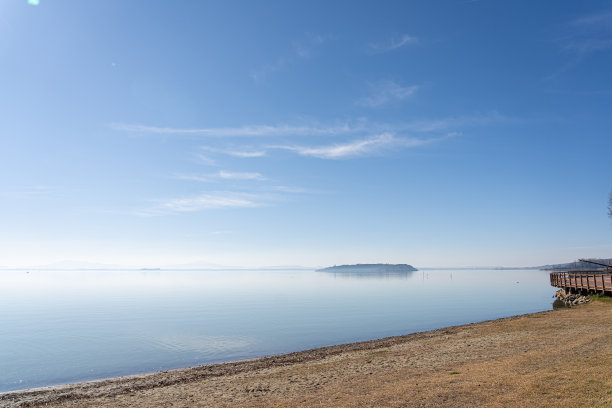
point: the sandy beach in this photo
(554, 358)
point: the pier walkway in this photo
(583, 281)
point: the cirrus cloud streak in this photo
(204, 201)
(394, 43)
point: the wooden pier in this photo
(583, 281)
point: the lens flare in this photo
(33, 2)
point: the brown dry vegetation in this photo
(549, 359)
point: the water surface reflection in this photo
(58, 327)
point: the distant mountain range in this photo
(370, 268)
(70, 265)
(355, 269)
(579, 265)
(75, 265)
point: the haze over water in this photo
(65, 326)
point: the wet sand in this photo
(549, 359)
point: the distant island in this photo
(370, 268)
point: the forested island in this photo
(370, 268)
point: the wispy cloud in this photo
(244, 152)
(242, 131)
(205, 159)
(260, 73)
(384, 92)
(305, 48)
(35, 191)
(302, 49)
(335, 141)
(394, 43)
(359, 128)
(589, 45)
(354, 148)
(248, 197)
(588, 34)
(453, 122)
(288, 189)
(203, 202)
(582, 37)
(601, 21)
(226, 175)
(227, 232)
(354, 138)
(221, 175)
(239, 153)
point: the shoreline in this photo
(153, 379)
(430, 346)
(287, 358)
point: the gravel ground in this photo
(548, 359)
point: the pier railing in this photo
(588, 281)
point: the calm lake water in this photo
(61, 327)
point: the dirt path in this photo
(556, 358)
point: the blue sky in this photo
(440, 133)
